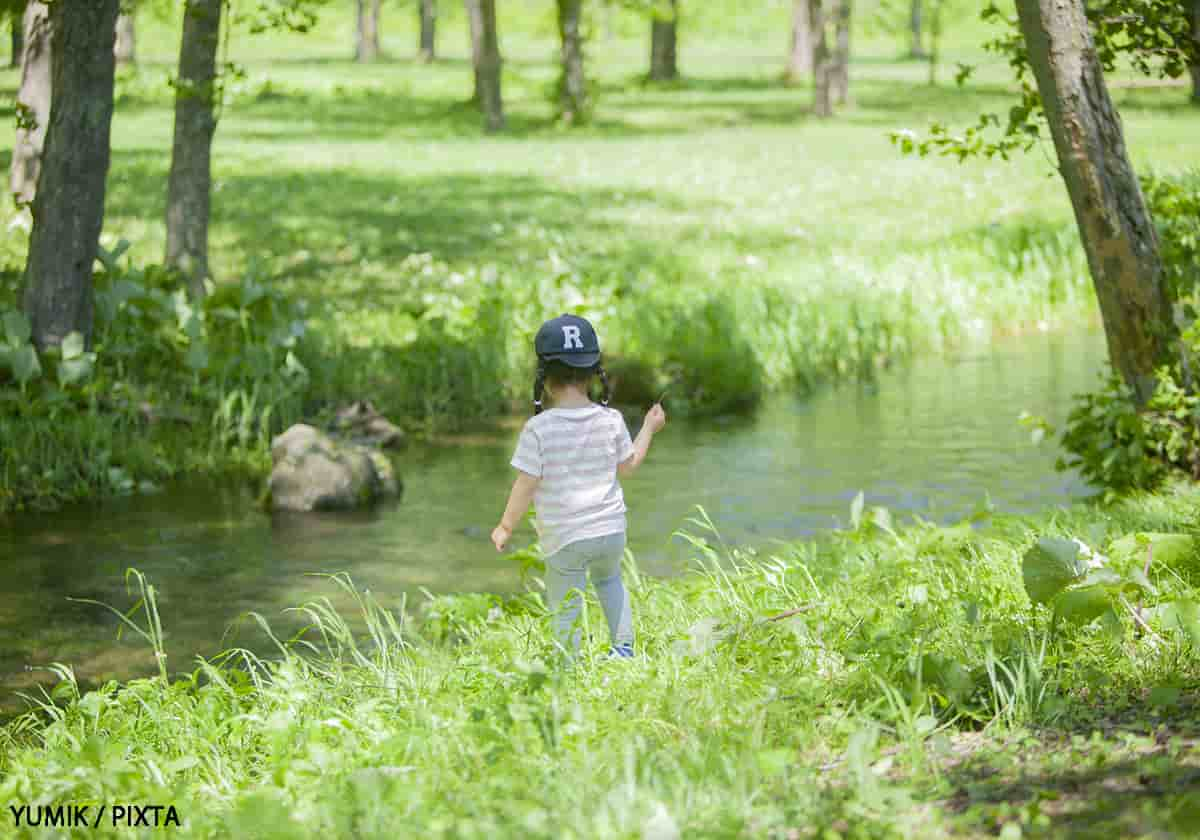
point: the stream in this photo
(934, 438)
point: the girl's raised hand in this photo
(500, 536)
(656, 417)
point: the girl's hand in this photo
(500, 537)
(656, 418)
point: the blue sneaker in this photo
(624, 651)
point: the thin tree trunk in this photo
(366, 47)
(800, 55)
(69, 208)
(841, 62)
(1116, 229)
(935, 40)
(17, 22)
(664, 64)
(190, 181)
(915, 47)
(573, 102)
(427, 10)
(485, 54)
(126, 46)
(822, 61)
(1195, 67)
(475, 29)
(33, 102)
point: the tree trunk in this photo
(663, 62)
(33, 102)
(800, 56)
(428, 47)
(18, 39)
(822, 61)
(573, 102)
(485, 54)
(69, 208)
(935, 40)
(126, 46)
(915, 47)
(1195, 67)
(366, 47)
(190, 180)
(1118, 235)
(841, 63)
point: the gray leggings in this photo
(567, 569)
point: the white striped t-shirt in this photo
(575, 452)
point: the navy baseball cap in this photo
(569, 339)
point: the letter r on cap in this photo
(571, 339)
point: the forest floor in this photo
(874, 683)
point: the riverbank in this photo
(870, 684)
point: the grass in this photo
(724, 241)
(872, 684)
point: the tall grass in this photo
(832, 688)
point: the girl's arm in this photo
(518, 503)
(656, 418)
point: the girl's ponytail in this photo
(604, 384)
(539, 387)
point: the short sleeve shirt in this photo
(575, 452)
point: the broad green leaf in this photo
(197, 357)
(1050, 566)
(1181, 614)
(16, 327)
(24, 363)
(1171, 550)
(71, 371)
(1084, 604)
(72, 346)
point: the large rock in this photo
(314, 472)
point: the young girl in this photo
(568, 459)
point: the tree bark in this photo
(935, 41)
(33, 102)
(1195, 66)
(126, 46)
(69, 208)
(822, 61)
(427, 50)
(573, 101)
(664, 64)
(841, 62)
(915, 48)
(366, 45)
(800, 55)
(17, 22)
(189, 185)
(485, 54)
(1114, 224)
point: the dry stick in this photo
(801, 609)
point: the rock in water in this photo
(314, 472)
(363, 423)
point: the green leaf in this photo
(72, 346)
(24, 363)
(197, 357)
(1171, 550)
(1083, 605)
(1181, 614)
(16, 327)
(1050, 566)
(75, 370)
(856, 510)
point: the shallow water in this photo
(935, 438)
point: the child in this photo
(568, 459)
